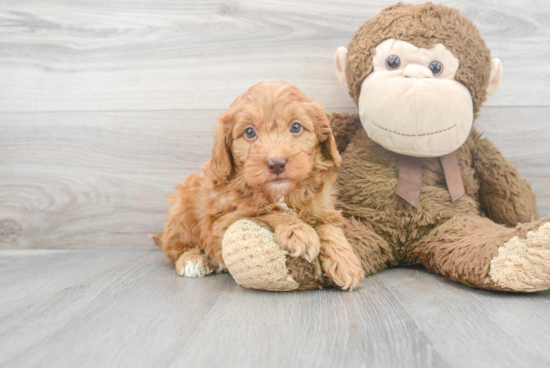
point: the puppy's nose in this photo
(276, 165)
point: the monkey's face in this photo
(411, 103)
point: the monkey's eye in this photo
(296, 128)
(393, 62)
(435, 67)
(250, 133)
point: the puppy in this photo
(272, 160)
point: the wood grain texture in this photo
(475, 318)
(166, 55)
(106, 105)
(101, 179)
(114, 308)
(94, 179)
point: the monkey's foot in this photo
(254, 258)
(524, 264)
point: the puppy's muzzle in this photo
(276, 165)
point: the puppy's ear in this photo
(324, 134)
(221, 161)
(329, 144)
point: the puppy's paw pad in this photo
(196, 269)
(524, 264)
(197, 266)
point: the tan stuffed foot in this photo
(254, 259)
(524, 264)
(194, 263)
(257, 261)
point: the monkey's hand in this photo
(506, 197)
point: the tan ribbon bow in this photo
(409, 184)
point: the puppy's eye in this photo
(296, 128)
(250, 133)
(435, 67)
(393, 62)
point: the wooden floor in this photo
(106, 105)
(123, 308)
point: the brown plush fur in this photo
(452, 239)
(386, 231)
(237, 183)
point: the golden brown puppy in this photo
(272, 160)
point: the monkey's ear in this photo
(221, 162)
(340, 60)
(495, 78)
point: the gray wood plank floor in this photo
(121, 308)
(106, 105)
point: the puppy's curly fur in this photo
(270, 121)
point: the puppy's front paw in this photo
(190, 264)
(299, 240)
(346, 272)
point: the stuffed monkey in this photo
(416, 176)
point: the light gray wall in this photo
(106, 105)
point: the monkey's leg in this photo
(480, 253)
(257, 261)
(373, 251)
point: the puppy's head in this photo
(274, 137)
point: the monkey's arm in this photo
(344, 126)
(506, 197)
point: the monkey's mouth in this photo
(414, 135)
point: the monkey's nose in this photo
(276, 165)
(417, 71)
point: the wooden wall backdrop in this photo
(106, 105)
